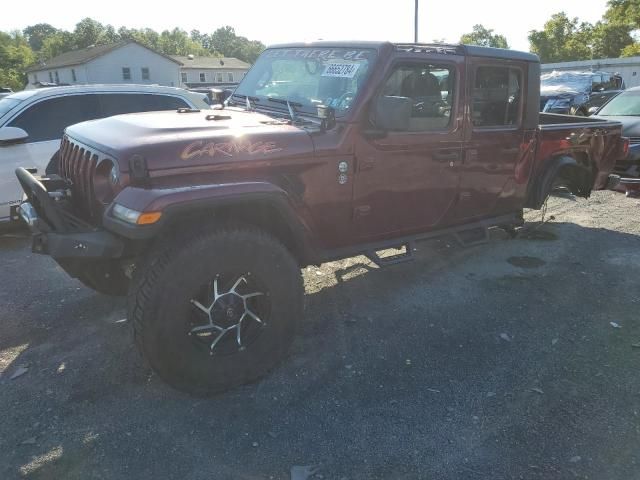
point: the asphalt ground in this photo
(510, 360)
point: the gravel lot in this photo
(493, 362)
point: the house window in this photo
(35, 78)
(73, 75)
(126, 73)
(230, 77)
(57, 77)
(219, 77)
(203, 78)
(183, 77)
(50, 77)
(145, 73)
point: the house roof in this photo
(211, 62)
(84, 55)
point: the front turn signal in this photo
(149, 218)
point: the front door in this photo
(406, 180)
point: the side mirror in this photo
(392, 113)
(592, 110)
(9, 135)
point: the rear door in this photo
(495, 138)
(406, 181)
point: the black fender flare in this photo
(181, 203)
(541, 187)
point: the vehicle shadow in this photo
(467, 363)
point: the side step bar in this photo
(407, 256)
(473, 236)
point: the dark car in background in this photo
(575, 93)
(625, 108)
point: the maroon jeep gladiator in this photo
(324, 151)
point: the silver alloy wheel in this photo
(226, 312)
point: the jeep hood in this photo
(168, 140)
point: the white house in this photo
(211, 71)
(123, 62)
(628, 67)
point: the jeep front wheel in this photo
(217, 308)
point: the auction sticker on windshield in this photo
(343, 70)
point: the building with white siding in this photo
(211, 71)
(123, 62)
(628, 67)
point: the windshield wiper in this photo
(248, 99)
(292, 113)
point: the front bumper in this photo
(55, 229)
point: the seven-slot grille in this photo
(78, 165)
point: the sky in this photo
(279, 21)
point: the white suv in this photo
(32, 122)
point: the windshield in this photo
(627, 103)
(565, 81)
(7, 104)
(307, 77)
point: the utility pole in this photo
(415, 36)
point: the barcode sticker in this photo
(344, 70)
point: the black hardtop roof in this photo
(468, 50)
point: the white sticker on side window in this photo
(343, 70)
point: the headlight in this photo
(134, 217)
(125, 214)
(105, 181)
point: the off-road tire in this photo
(162, 288)
(106, 278)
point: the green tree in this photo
(562, 39)
(88, 32)
(225, 41)
(178, 42)
(37, 34)
(625, 12)
(15, 56)
(484, 37)
(56, 44)
(632, 50)
(609, 39)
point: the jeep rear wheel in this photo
(217, 308)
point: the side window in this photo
(431, 89)
(119, 103)
(596, 83)
(48, 119)
(166, 102)
(497, 96)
